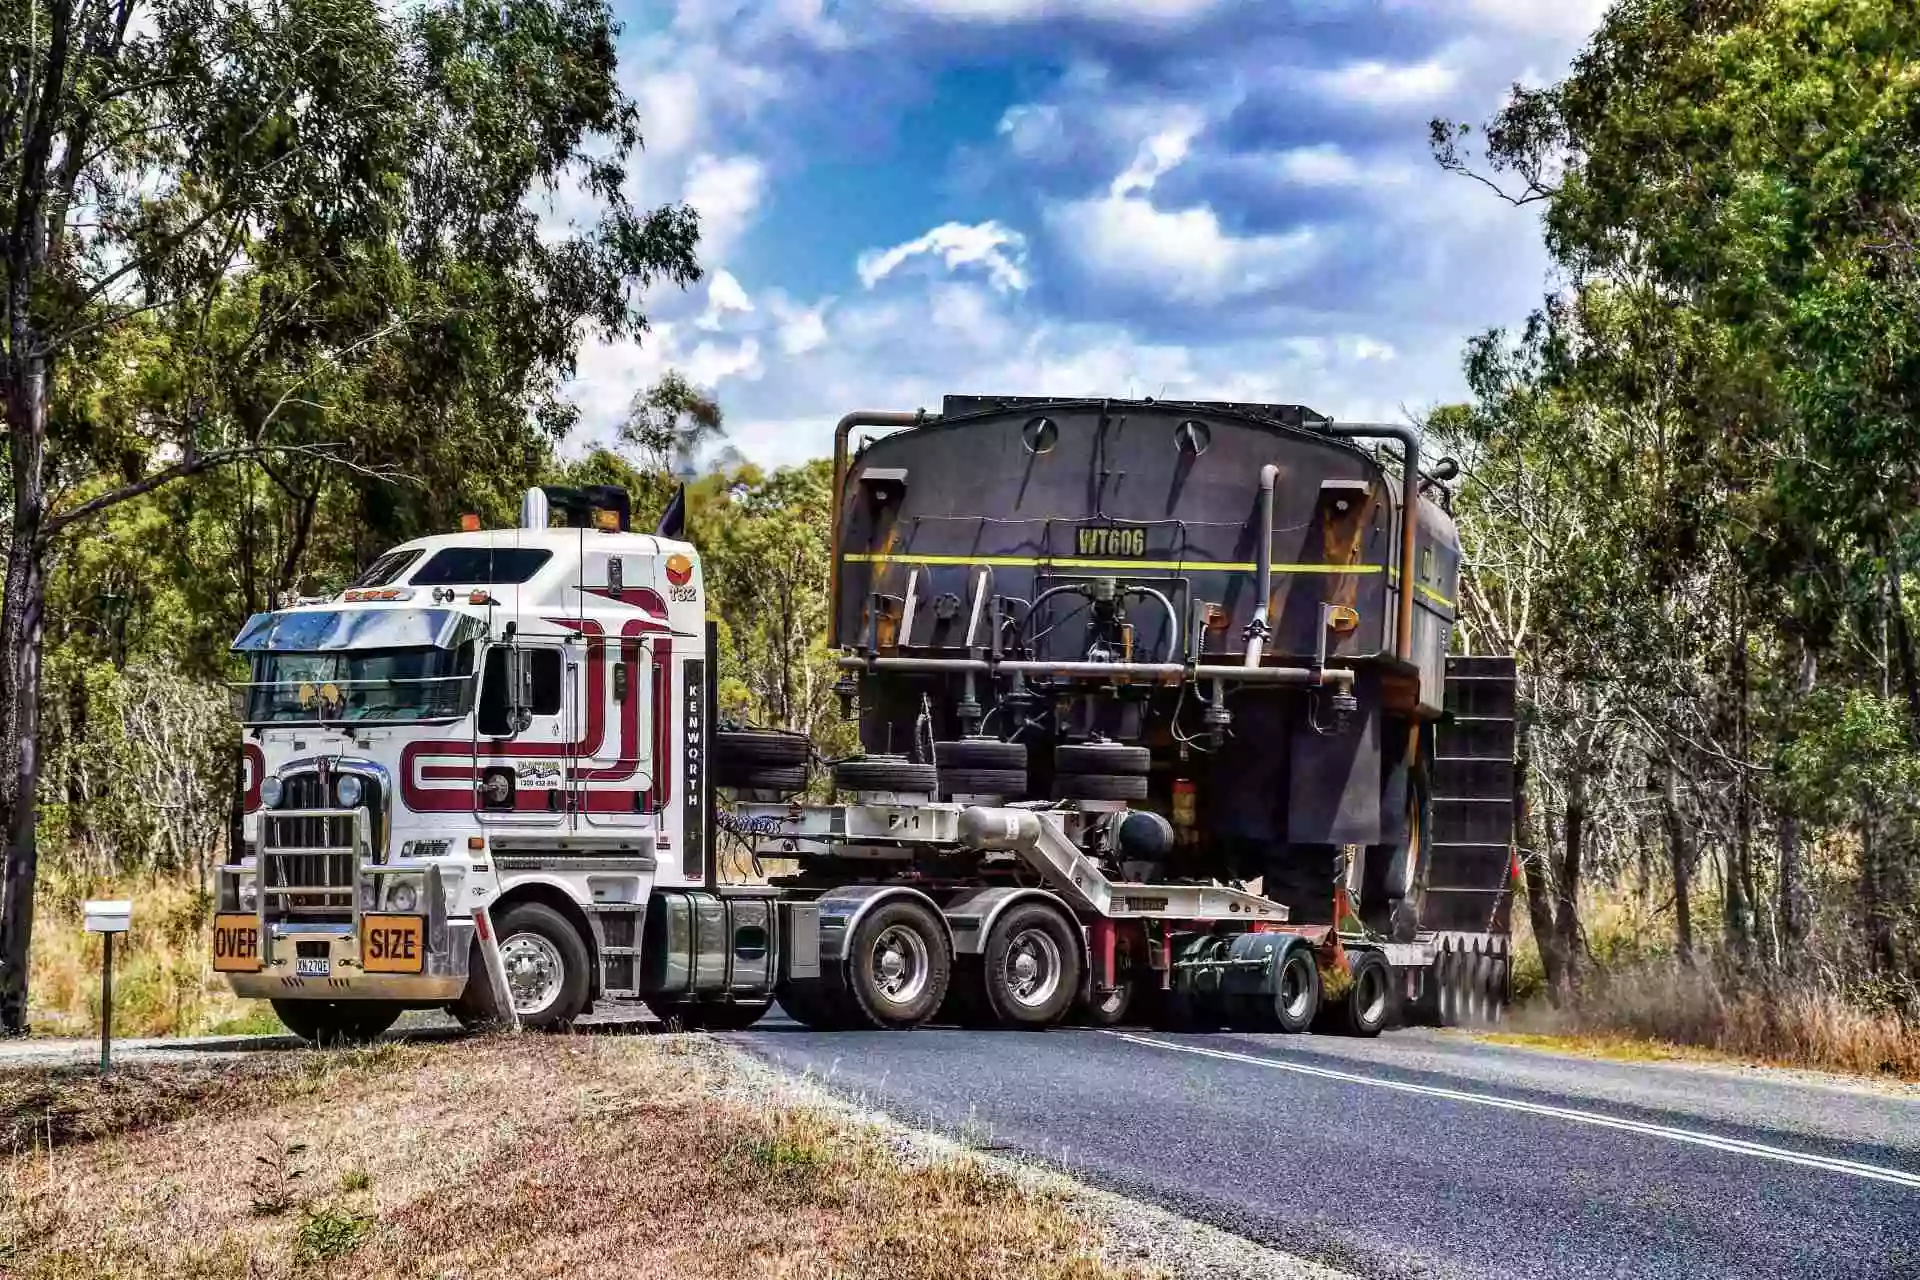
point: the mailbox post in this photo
(107, 918)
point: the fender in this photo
(971, 916)
(1253, 960)
(842, 910)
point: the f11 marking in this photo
(1737, 1146)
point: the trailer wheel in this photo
(1099, 786)
(1292, 1007)
(1368, 1003)
(897, 966)
(1108, 1008)
(1032, 966)
(694, 1015)
(816, 1005)
(884, 773)
(330, 1023)
(546, 964)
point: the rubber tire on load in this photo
(760, 748)
(983, 782)
(541, 921)
(1367, 1005)
(785, 780)
(1101, 758)
(1099, 786)
(871, 1005)
(1036, 924)
(1288, 1012)
(331, 1023)
(884, 773)
(694, 1015)
(980, 754)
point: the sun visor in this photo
(315, 630)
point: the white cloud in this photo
(989, 246)
(1326, 164)
(1144, 12)
(724, 294)
(1383, 84)
(726, 192)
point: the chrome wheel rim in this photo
(1031, 971)
(535, 972)
(899, 964)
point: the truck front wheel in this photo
(546, 964)
(329, 1023)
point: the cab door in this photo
(525, 743)
(617, 782)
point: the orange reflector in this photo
(479, 597)
(476, 842)
(470, 523)
(608, 521)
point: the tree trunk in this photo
(1903, 641)
(20, 640)
(1740, 894)
(1566, 922)
(1534, 863)
(1680, 855)
(1793, 898)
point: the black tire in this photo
(1099, 786)
(757, 749)
(983, 782)
(1102, 758)
(884, 773)
(816, 1005)
(1295, 1003)
(1026, 941)
(548, 936)
(968, 754)
(912, 934)
(693, 1015)
(329, 1024)
(1367, 1006)
(784, 779)
(1110, 1008)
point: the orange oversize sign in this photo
(393, 944)
(236, 944)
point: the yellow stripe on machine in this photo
(1076, 562)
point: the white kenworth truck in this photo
(1153, 731)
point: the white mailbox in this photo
(106, 916)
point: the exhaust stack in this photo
(533, 509)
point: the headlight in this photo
(271, 789)
(348, 790)
(402, 897)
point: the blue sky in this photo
(1227, 199)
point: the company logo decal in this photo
(679, 569)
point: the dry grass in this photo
(163, 978)
(1702, 1008)
(508, 1157)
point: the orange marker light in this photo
(470, 523)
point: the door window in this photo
(547, 674)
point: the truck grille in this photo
(332, 871)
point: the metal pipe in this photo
(1146, 670)
(1409, 514)
(1257, 629)
(858, 418)
(1173, 618)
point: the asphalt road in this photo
(1424, 1154)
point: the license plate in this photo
(306, 967)
(393, 944)
(236, 944)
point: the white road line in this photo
(1826, 1164)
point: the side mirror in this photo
(519, 688)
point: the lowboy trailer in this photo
(1158, 717)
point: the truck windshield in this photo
(362, 685)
